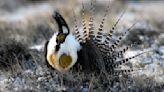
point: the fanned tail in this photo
(101, 27)
(120, 62)
(109, 35)
(91, 20)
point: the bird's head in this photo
(62, 47)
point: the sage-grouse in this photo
(90, 51)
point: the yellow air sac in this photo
(65, 61)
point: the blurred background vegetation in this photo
(25, 25)
(28, 20)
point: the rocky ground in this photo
(25, 26)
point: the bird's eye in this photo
(65, 61)
(60, 38)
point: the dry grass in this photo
(26, 70)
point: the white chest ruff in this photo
(69, 47)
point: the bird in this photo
(62, 48)
(86, 50)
